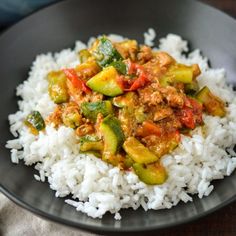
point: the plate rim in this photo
(107, 228)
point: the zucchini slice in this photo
(105, 82)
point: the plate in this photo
(57, 27)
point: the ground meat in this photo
(127, 49)
(96, 97)
(71, 116)
(158, 145)
(150, 95)
(158, 65)
(85, 129)
(145, 54)
(173, 97)
(162, 113)
(67, 114)
(170, 123)
(153, 70)
(55, 117)
(164, 59)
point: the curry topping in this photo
(128, 105)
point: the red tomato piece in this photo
(75, 80)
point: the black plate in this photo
(57, 27)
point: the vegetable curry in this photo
(128, 105)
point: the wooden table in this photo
(222, 222)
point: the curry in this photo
(128, 105)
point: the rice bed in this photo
(98, 187)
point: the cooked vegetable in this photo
(129, 104)
(139, 77)
(91, 109)
(212, 104)
(120, 66)
(92, 146)
(128, 161)
(177, 73)
(164, 144)
(139, 114)
(149, 128)
(126, 100)
(139, 82)
(76, 81)
(183, 74)
(191, 114)
(127, 119)
(113, 138)
(57, 87)
(187, 118)
(150, 174)
(71, 116)
(105, 53)
(128, 49)
(138, 152)
(191, 88)
(89, 138)
(84, 55)
(105, 82)
(112, 134)
(35, 122)
(87, 70)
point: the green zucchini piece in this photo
(165, 145)
(105, 82)
(212, 104)
(128, 161)
(140, 116)
(57, 87)
(183, 75)
(120, 67)
(191, 88)
(112, 134)
(35, 122)
(105, 53)
(125, 100)
(150, 174)
(71, 120)
(178, 73)
(88, 138)
(91, 109)
(128, 49)
(84, 55)
(92, 146)
(165, 81)
(138, 152)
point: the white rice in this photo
(97, 187)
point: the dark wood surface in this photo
(222, 222)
